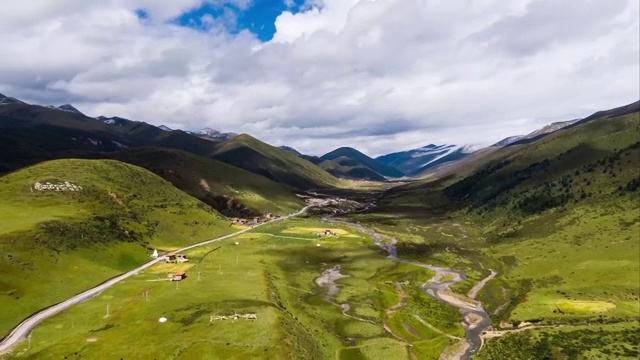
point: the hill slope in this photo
(276, 164)
(54, 244)
(348, 168)
(363, 159)
(558, 215)
(230, 190)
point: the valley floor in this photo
(282, 291)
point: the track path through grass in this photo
(20, 331)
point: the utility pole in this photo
(29, 341)
(107, 311)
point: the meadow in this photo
(59, 243)
(271, 273)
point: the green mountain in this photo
(31, 133)
(230, 190)
(363, 159)
(348, 168)
(276, 164)
(557, 217)
(70, 224)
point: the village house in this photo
(180, 275)
(169, 258)
(180, 258)
(237, 221)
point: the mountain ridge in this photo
(363, 159)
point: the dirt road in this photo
(22, 330)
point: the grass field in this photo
(272, 275)
(59, 243)
(603, 341)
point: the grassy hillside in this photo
(347, 168)
(557, 217)
(276, 164)
(230, 190)
(380, 168)
(54, 244)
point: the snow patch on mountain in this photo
(69, 108)
(430, 150)
(212, 134)
(417, 159)
(509, 140)
(6, 100)
(165, 128)
(551, 128)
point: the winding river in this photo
(475, 319)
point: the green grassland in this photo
(270, 273)
(603, 341)
(54, 244)
(232, 191)
(557, 218)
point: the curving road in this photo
(20, 331)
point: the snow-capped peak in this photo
(6, 100)
(212, 134)
(69, 108)
(164, 128)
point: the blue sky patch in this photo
(259, 18)
(142, 14)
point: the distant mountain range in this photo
(32, 133)
(376, 166)
(209, 133)
(416, 160)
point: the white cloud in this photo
(382, 75)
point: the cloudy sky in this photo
(382, 76)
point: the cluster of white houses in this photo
(256, 220)
(173, 258)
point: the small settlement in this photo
(172, 258)
(256, 220)
(326, 233)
